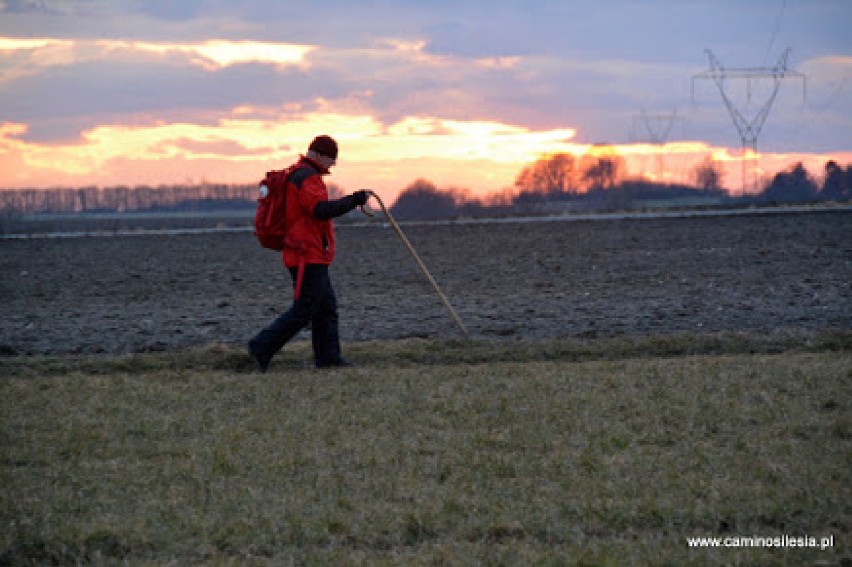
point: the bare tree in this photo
(604, 172)
(708, 175)
(549, 175)
(422, 199)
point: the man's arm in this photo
(325, 210)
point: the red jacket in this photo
(309, 239)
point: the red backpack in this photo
(270, 220)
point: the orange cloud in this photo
(498, 62)
(829, 66)
(216, 54)
(9, 44)
(484, 156)
(27, 56)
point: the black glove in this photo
(329, 209)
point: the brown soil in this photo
(512, 280)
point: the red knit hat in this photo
(324, 145)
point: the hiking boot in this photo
(261, 362)
(339, 363)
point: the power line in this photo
(775, 31)
(748, 128)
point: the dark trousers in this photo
(316, 305)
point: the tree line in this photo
(559, 180)
(124, 199)
(798, 186)
(562, 182)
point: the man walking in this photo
(308, 253)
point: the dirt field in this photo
(511, 281)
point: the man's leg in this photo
(324, 328)
(271, 339)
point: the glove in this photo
(360, 197)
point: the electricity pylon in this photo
(749, 128)
(655, 130)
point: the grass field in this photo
(605, 452)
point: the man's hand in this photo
(360, 197)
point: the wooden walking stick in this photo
(417, 259)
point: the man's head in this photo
(323, 150)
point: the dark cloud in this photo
(23, 6)
(104, 90)
(171, 10)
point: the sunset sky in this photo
(463, 93)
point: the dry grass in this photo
(599, 456)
